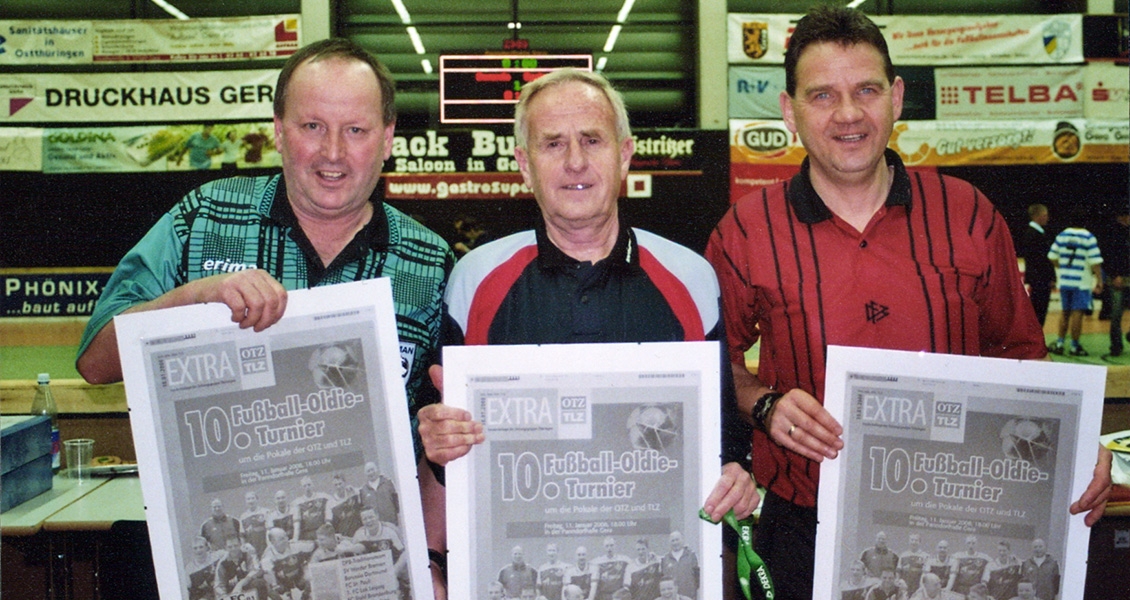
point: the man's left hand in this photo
(1093, 500)
(735, 489)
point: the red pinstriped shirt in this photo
(934, 270)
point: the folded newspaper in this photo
(277, 463)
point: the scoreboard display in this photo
(485, 88)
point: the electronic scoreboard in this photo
(485, 88)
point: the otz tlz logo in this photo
(947, 414)
(574, 410)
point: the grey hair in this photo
(559, 76)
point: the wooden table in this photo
(117, 499)
(28, 518)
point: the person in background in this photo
(253, 523)
(1041, 571)
(311, 511)
(200, 147)
(912, 562)
(644, 572)
(855, 250)
(469, 234)
(219, 526)
(551, 574)
(972, 566)
(1075, 253)
(857, 583)
(1032, 245)
(238, 570)
(612, 570)
(517, 575)
(888, 588)
(201, 570)
(581, 574)
(256, 141)
(879, 556)
(1115, 247)
(1004, 573)
(931, 589)
(230, 148)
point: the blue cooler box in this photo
(25, 458)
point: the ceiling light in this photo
(416, 42)
(172, 10)
(403, 12)
(427, 64)
(612, 35)
(601, 63)
(624, 10)
(855, 3)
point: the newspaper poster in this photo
(596, 461)
(956, 476)
(277, 463)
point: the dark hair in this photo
(345, 49)
(827, 23)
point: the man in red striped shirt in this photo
(854, 250)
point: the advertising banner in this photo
(159, 148)
(60, 42)
(479, 164)
(596, 460)
(1106, 92)
(929, 40)
(51, 292)
(755, 92)
(296, 439)
(168, 96)
(1031, 92)
(956, 472)
(21, 148)
(954, 143)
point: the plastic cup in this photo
(79, 453)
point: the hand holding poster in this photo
(596, 460)
(956, 476)
(302, 430)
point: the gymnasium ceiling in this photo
(652, 60)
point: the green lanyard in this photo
(748, 561)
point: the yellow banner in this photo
(956, 143)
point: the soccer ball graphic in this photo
(334, 366)
(1026, 439)
(652, 427)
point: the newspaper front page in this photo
(596, 461)
(277, 463)
(956, 476)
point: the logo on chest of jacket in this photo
(225, 266)
(876, 312)
(407, 359)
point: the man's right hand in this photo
(799, 422)
(447, 432)
(255, 298)
(814, 432)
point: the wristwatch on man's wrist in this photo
(763, 407)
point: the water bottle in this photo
(44, 404)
